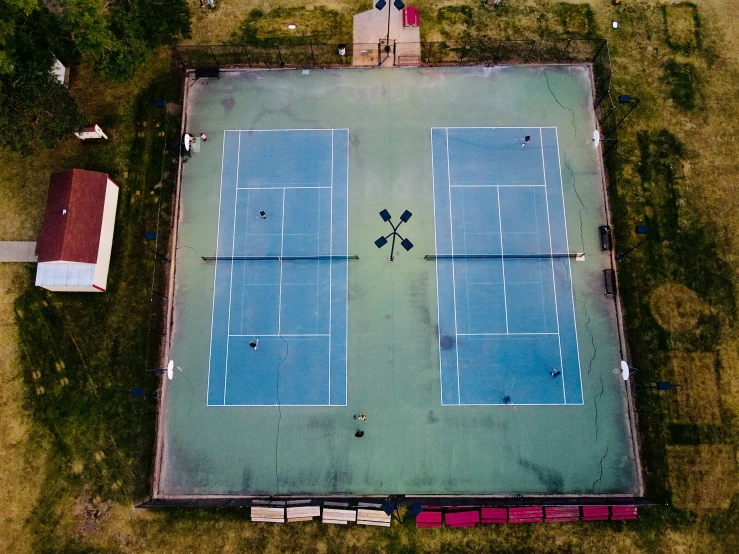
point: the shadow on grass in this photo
(82, 352)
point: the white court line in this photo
(285, 187)
(215, 270)
(330, 264)
(243, 269)
(541, 278)
(515, 185)
(500, 127)
(274, 405)
(284, 130)
(230, 287)
(454, 280)
(436, 250)
(505, 292)
(501, 334)
(259, 335)
(554, 283)
(282, 247)
(516, 404)
(346, 265)
(466, 267)
(569, 264)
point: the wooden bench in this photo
(269, 515)
(373, 517)
(302, 513)
(339, 517)
(429, 517)
(619, 513)
(494, 515)
(462, 519)
(527, 514)
(561, 513)
(595, 513)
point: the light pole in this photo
(621, 255)
(380, 5)
(626, 99)
(382, 241)
(169, 370)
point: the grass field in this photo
(68, 432)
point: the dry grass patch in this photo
(682, 26)
(729, 386)
(697, 397)
(22, 454)
(220, 25)
(677, 308)
(703, 477)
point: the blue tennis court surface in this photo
(505, 324)
(294, 310)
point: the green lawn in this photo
(71, 434)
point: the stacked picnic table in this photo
(436, 516)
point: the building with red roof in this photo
(76, 239)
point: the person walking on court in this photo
(263, 215)
(359, 433)
(555, 373)
(203, 137)
(254, 344)
(525, 140)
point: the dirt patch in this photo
(703, 477)
(89, 513)
(677, 308)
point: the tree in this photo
(37, 109)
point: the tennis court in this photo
(449, 349)
(280, 297)
(506, 322)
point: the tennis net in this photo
(547, 255)
(276, 258)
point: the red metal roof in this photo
(74, 235)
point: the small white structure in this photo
(74, 244)
(60, 72)
(91, 132)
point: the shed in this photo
(75, 242)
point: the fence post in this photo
(312, 54)
(602, 44)
(461, 54)
(395, 60)
(379, 52)
(246, 54)
(562, 57)
(182, 62)
(279, 53)
(526, 60)
(602, 119)
(428, 57)
(497, 52)
(213, 52)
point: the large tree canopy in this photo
(35, 109)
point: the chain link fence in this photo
(443, 53)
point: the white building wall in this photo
(100, 278)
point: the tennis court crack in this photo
(602, 458)
(590, 333)
(572, 113)
(579, 198)
(595, 403)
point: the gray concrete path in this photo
(18, 251)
